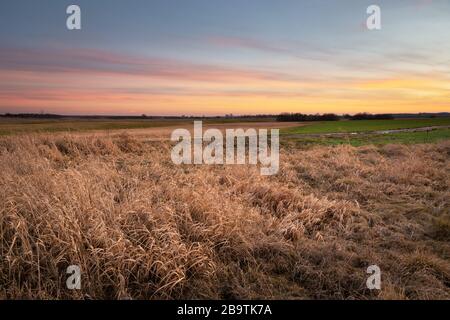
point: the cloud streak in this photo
(91, 61)
(95, 81)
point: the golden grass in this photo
(141, 227)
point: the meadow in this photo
(9, 126)
(368, 132)
(366, 125)
(141, 227)
(429, 136)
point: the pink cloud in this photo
(92, 61)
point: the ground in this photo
(367, 125)
(141, 227)
(10, 126)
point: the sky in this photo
(216, 57)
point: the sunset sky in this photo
(213, 57)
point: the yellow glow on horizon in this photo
(106, 94)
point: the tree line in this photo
(331, 117)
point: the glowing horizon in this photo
(257, 57)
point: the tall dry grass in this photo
(141, 227)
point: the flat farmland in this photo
(366, 132)
(366, 125)
(146, 129)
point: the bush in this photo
(307, 117)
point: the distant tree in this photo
(368, 116)
(307, 117)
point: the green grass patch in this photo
(365, 125)
(377, 139)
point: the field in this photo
(369, 132)
(141, 227)
(10, 126)
(374, 139)
(366, 125)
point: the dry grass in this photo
(141, 227)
